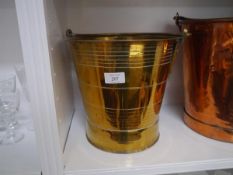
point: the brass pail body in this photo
(122, 78)
(208, 76)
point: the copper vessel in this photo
(122, 79)
(208, 76)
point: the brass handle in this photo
(69, 33)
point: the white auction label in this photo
(114, 77)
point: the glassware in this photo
(9, 105)
(7, 84)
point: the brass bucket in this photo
(122, 78)
(208, 76)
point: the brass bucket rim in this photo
(121, 37)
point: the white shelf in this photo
(179, 149)
(20, 158)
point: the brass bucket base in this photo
(124, 141)
(211, 131)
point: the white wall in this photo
(120, 16)
(98, 16)
(10, 49)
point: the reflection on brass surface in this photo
(208, 76)
(123, 117)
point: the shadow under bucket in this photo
(122, 78)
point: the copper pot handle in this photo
(178, 20)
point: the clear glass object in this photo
(7, 84)
(9, 106)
